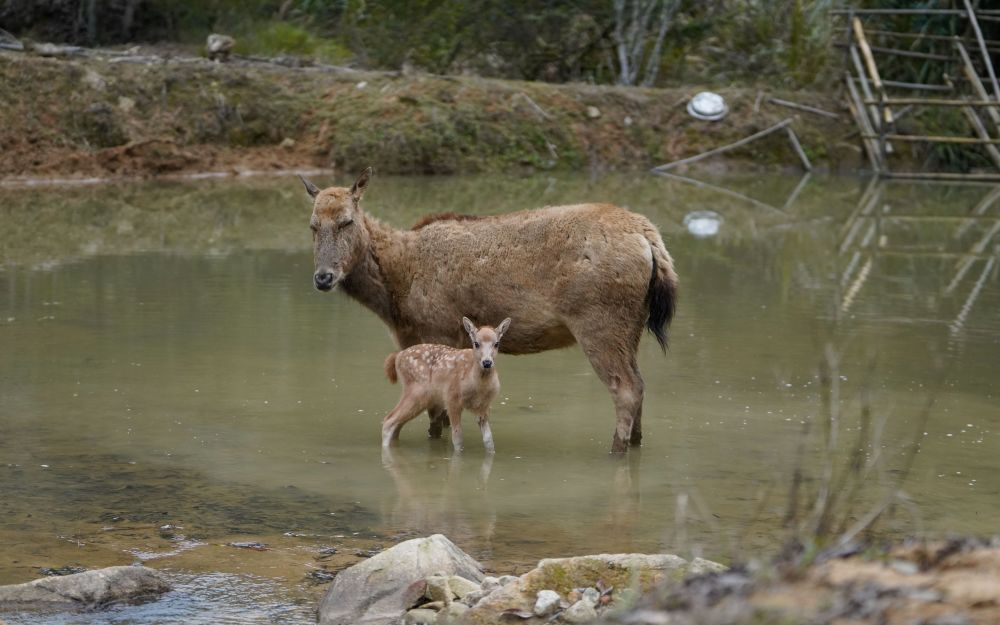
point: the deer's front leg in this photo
(484, 427)
(455, 418)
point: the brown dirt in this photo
(109, 114)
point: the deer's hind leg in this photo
(409, 407)
(439, 417)
(613, 355)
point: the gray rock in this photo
(563, 575)
(438, 589)
(700, 566)
(421, 617)
(580, 612)
(508, 579)
(473, 598)
(461, 587)
(490, 583)
(451, 613)
(378, 591)
(91, 589)
(591, 595)
(546, 603)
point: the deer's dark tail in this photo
(390, 367)
(662, 293)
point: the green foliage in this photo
(719, 42)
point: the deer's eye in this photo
(475, 344)
(345, 223)
(314, 227)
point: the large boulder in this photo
(381, 589)
(625, 573)
(90, 589)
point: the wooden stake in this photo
(982, 48)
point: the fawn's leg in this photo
(407, 408)
(484, 427)
(455, 417)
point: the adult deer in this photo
(594, 274)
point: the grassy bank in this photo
(104, 114)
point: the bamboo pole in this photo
(704, 185)
(957, 177)
(938, 102)
(798, 148)
(980, 130)
(956, 12)
(790, 201)
(982, 48)
(864, 123)
(938, 139)
(803, 107)
(865, 88)
(913, 54)
(966, 262)
(980, 209)
(959, 322)
(977, 85)
(725, 148)
(866, 53)
(990, 43)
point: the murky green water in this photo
(165, 361)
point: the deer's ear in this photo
(361, 184)
(502, 328)
(311, 189)
(470, 328)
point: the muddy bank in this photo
(140, 113)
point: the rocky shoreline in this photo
(432, 581)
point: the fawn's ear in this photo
(311, 189)
(470, 328)
(502, 328)
(361, 184)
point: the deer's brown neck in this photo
(367, 282)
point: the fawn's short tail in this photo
(390, 367)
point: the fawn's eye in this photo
(475, 344)
(345, 223)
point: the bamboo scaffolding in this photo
(977, 177)
(982, 48)
(959, 322)
(865, 88)
(980, 209)
(937, 139)
(965, 263)
(956, 12)
(937, 102)
(977, 85)
(990, 43)
(857, 110)
(914, 86)
(980, 129)
(866, 54)
(913, 54)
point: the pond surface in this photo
(170, 383)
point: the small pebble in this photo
(547, 602)
(420, 617)
(580, 612)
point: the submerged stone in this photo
(90, 589)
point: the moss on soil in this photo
(101, 115)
